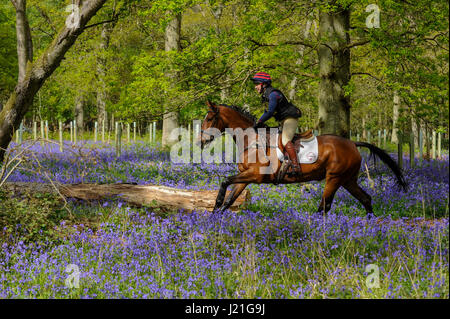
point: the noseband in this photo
(215, 119)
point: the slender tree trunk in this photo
(364, 130)
(415, 130)
(172, 41)
(216, 10)
(245, 105)
(79, 112)
(102, 96)
(427, 137)
(224, 92)
(334, 72)
(301, 50)
(24, 41)
(36, 73)
(380, 118)
(395, 113)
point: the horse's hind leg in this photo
(354, 189)
(331, 186)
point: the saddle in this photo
(296, 140)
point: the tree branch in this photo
(297, 43)
(47, 18)
(45, 32)
(355, 44)
(14, 3)
(365, 73)
(99, 23)
(282, 43)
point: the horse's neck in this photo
(240, 126)
(239, 122)
(244, 125)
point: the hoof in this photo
(320, 214)
(218, 210)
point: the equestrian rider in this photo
(283, 111)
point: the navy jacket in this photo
(279, 106)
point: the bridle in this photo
(215, 119)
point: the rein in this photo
(253, 145)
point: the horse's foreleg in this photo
(221, 194)
(234, 194)
(244, 177)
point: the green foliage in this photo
(8, 53)
(31, 218)
(223, 43)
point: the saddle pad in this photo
(307, 154)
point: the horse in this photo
(338, 161)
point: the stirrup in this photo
(295, 171)
(282, 172)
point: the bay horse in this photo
(338, 161)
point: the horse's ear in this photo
(211, 105)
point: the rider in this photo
(283, 111)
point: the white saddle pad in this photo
(307, 154)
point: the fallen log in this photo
(138, 195)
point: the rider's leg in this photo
(289, 129)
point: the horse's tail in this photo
(381, 154)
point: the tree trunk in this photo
(395, 113)
(216, 10)
(415, 130)
(224, 93)
(293, 91)
(163, 196)
(334, 72)
(36, 73)
(24, 41)
(364, 129)
(172, 42)
(301, 50)
(427, 138)
(101, 71)
(79, 112)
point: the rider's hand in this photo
(258, 125)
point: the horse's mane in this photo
(241, 111)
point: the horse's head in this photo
(213, 120)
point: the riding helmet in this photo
(262, 77)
